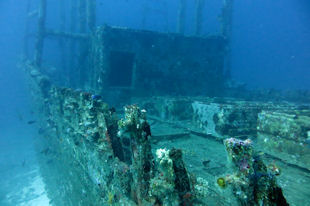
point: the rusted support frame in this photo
(226, 18)
(82, 50)
(91, 15)
(72, 43)
(41, 33)
(82, 16)
(226, 31)
(92, 45)
(144, 12)
(181, 16)
(68, 35)
(199, 6)
(26, 34)
(61, 41)
(96, 59)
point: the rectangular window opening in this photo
(121, 69)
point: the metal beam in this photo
(91, 14)
(69, 35)
(26, 34)
(41, 33)
(181, 16)
(199, 16)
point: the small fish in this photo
(31, 122)
(260, 153)
(33, 13)
(23, 163)
(274, 168)
(206, 163)
(112, 110)
(49, 161)
(20, 116)
(78, 90)
(41, 130)
(95, 97)
(45, 151)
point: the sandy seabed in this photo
(21, 183)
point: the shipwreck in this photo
(135, 117)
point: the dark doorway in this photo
(121, 68)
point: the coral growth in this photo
(253, 183)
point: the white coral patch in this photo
(160, 153)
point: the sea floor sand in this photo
(21, 183)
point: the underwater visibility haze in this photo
(154, 102)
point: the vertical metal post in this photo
(92, 44)
(144, 14)
(199, 16)
(26, 35)
(181, 16)
(226, 18)
(41, 34)
(72, 43)
(82, 53)
(226, 31)
(82, 16)
(91, 14)
(61, 42)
